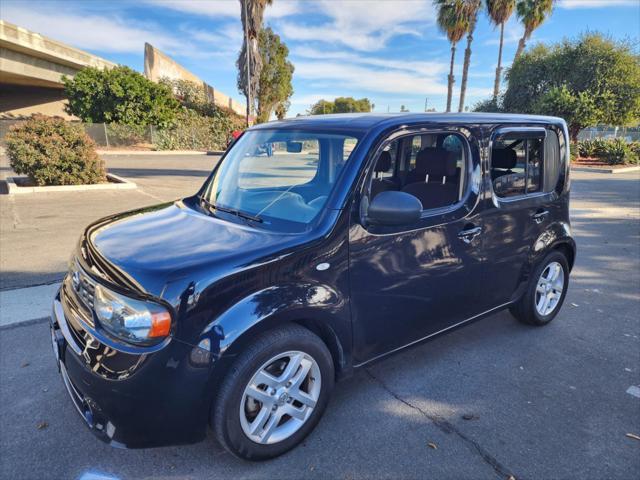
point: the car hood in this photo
(149, 248)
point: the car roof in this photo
(368, 121)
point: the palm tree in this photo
(499, 12)
(532, 13)
(249, 66)
(454, 24)
(470, 9)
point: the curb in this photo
(118, 183)
(158, 152)
(605, 169)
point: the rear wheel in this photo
(274, 394)
(546, 291)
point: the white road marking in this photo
(634, 390)
(24, 304)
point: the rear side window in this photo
(517, 166)
(552, 161)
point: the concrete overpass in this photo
(31, 70)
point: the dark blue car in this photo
(357, 236)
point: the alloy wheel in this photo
(549, 288)
(280, 397)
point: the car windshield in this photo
(280, 178)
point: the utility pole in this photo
(246, 41)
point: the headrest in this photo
(384, 162)
(435, 162)
(504, 158)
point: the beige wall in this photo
(158, 65)
(18, 101)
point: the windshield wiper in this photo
(232, 211)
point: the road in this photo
(546, 402)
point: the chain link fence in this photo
(630, 134)
(200, 135)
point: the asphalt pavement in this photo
(492, 400)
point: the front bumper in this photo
(156, 399)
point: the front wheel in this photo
(274, 394)
(546, 291)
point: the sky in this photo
(390, 51)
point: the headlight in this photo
(131, 320)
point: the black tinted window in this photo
(517, 167)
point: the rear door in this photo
(519, 209)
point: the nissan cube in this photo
(316, 246)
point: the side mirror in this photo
(394, 208)
(294, 147)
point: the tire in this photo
(235, 410)
(529, 309)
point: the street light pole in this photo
(246, 42)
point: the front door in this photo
(409, 283)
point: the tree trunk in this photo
(450, 79)
(496, 83)
(574, 130)
(465, 68)
(522, 43)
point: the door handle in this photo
(540, 215)
(469, 234)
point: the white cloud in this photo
(92, 32)
(363, 24)
(420, 67)
(227, 8)
(572, 4)
(360, 78)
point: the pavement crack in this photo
(448, 427)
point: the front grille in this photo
(83, 286)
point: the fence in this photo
(121, 136)
(199, 135)
(630, 134)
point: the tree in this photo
(499, 12)
(454, 24)
(592, 80)
(119, 95)
(470, 9)
(249, 62)
(321, 107)
(274, 87)
(532, 13)
(281, 109)
(341, 105)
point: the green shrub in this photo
(52, 151)
(615, 151)
(119, 95)
(193, 131)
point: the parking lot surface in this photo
(492, 400)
